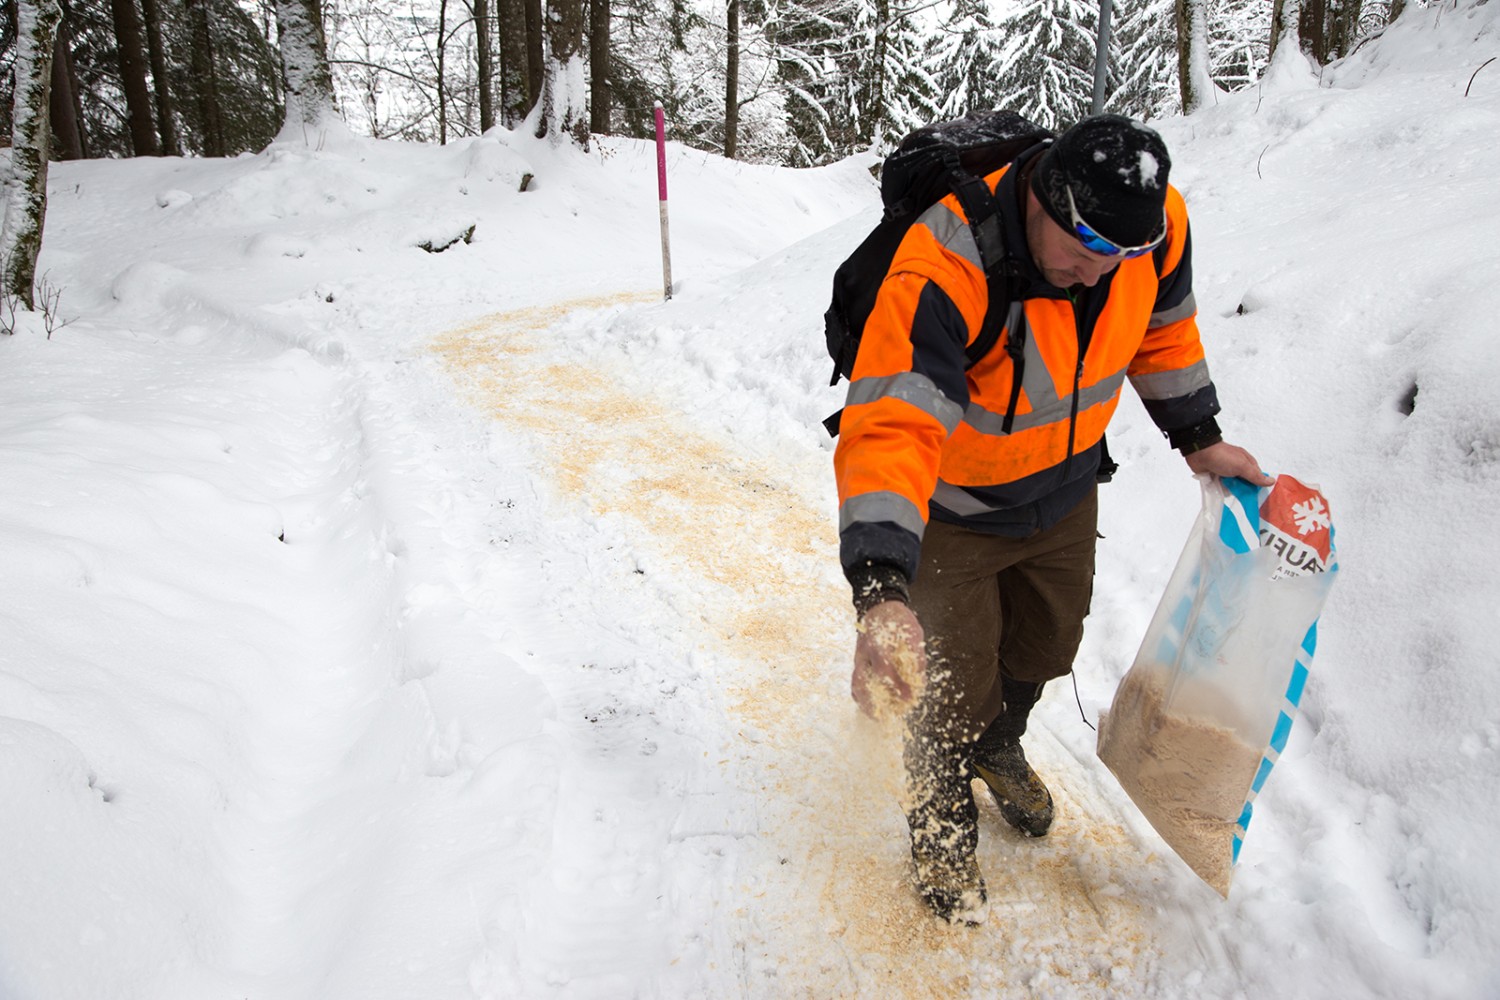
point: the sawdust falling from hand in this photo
(833, 913)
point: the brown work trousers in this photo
(992, 605)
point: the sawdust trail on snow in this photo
(829, 912)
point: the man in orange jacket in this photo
(967, 492)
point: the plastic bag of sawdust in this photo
(1204, 711)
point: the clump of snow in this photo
(1148, 169)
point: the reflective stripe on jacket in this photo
(922, 437)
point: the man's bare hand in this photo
(1228, 461)
(890, 660)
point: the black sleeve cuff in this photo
(874, 583)
(1197, 437)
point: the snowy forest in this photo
(789, 82)
(797, 83)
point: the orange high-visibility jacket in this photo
(922, 437)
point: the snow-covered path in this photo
(709, 570)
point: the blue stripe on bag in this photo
(1232, 536)
(1279, 735)
(1239, 835)
(1262, 773)
(1242, 513)
(1238, 525)
(1241, 529)
(1299, 677)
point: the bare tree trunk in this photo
(563, 109)
(1192, 54)
(1346, 27)
(304, 65)
(75, 89)
(442, 84)
(732, 83)
(599, 14)
(1283, 24)
(165, 117)
(872, 121)
(536, 55)
(63, 103)
(1312, 28)
(31, 136)
(205, 74)
(485, 66)
(1328, 28)
(516, 97)
(129, 39)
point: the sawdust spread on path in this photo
(832, 914)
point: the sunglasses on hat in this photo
(1095, 243)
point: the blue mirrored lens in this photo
(1095, 243)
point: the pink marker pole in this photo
(661, 194)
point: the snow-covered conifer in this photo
(852, 75)
(1047, 63)
(967, 52)
(1145, 41)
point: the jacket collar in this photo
(1010, 194)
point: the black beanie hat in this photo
(1117, 170)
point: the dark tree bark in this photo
(130, 40)
(205, 75)
(75, 89)
(1328, 28)
(599, 74)
(563, 113)
(536, 56)
(304, 64)
(63, 102)
(1312, 29)
(732, 83)
(1192, 54)
(870, 124)
(31, 138)
(442, 84)
(516, 96)
(166, 122)
(484, 67)
(1283, 24)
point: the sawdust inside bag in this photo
(1187, 775)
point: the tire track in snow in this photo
(822, 906)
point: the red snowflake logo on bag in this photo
(1295, 520)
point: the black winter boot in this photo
(1024, 801)
(944, 825)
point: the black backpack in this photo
(951, 156)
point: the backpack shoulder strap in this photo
(1000, 269)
